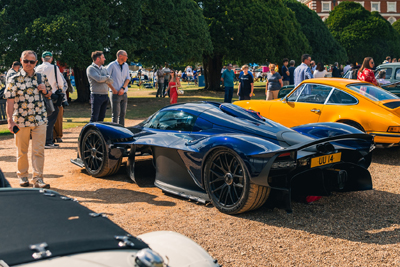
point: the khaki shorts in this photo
(272, 94)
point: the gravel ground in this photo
(345, 229)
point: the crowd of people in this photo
(31, 91)
(278, 77)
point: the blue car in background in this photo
(231, 157)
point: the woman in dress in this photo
(173, 85)
(320, 72)
(365, 73)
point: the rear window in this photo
(372, 92)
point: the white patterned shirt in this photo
(29, 111)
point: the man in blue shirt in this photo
(119, 72)
(303, 72)
(227, 78)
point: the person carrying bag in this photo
(47, 101)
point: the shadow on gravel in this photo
(115, 196)
(14, 175)
(389, 156)
(8, 158)
(144, 173)
(367, 217)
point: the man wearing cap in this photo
(51, 71)
(119, 72)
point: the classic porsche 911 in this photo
(359, 104)
(232, 157)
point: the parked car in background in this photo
(359, 104)
(392, 71)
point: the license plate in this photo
(324, 160)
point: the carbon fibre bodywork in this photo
(275, 156)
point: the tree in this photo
(249, 31)
(153, 31)
(396, 25)
(71, 29)
(363, 33)
(325, 48)
(172, 31)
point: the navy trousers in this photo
(99, 107)
(51, 120)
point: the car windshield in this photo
(372, 92)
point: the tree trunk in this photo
(82, 85)
(212, 71)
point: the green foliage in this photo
(325, 48)
(152, 31)
(396, 25)
(252, 31)
(172, 31)
(363, 33)
(71, 29)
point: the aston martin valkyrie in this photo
(232, 157)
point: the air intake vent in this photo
(392, 105)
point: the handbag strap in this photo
(55, 74)
(39, 81)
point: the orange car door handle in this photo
(315, 110)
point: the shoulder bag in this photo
(47, 102)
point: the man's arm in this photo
(60, 79)
(309, 74)
(93, 74)
(10, 111)
(222, 77)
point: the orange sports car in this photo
(359, 104)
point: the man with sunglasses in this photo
(119, 72)
(27, 116)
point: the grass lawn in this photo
(142, 103)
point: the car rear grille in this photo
(392, 105)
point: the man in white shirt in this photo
(51, 71)
(119, 72)
(346, 68)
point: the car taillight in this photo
(394, 129)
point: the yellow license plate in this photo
(324, 160)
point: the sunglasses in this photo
(29, 61)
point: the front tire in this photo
(95, 154)
(228, 185)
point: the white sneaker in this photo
(40, 184)
(51, 146)
(24, 182)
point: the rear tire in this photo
(95, 154)
(228, 185)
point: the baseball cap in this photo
(47, 54)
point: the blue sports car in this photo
(232, 157)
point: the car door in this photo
(340, 104)
(304, 105)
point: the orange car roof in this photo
(333, 81)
